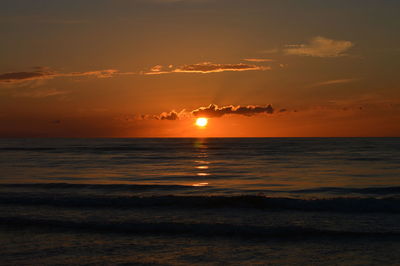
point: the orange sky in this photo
(142, 68)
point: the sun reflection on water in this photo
(201, 166)
(202, 174)
(200, 184)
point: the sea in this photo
(210, 201)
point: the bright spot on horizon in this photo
(201, 122)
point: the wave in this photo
(351, 205)
(192, 229)
(379, 191)
(342, 190)
(118, 187)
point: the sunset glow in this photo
(146, 74)
(199, 132)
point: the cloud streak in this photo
(45, 73)
(320, 47)
(333, 82)
(12, 77)
(258, 60)
(207, 67)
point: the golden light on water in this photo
(200, 185)
(201, 122)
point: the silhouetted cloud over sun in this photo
(214, 111)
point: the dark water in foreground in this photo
(200, 201)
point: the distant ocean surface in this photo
(212, 201)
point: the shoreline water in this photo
(191, 201)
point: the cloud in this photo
(168, 116)
(258, 60)
(41, 73)
(156, 68)
(207, 67)
(320, 47)
(214, 111)
(335, 81)
(12, 77)
(44, 73)
(211, 111)
(107, 73)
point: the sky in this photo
(149, 68)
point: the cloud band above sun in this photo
(213, 111)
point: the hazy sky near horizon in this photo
(147, 68)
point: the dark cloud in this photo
(11, 77)
(211, 111)
(214, 111)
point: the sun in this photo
(201, 122)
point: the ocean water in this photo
(245, 201)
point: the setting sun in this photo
(201, 122)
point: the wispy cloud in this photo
(107, 73)
(258, 60)
(320, 47)
(42, 73)
(38, 74)
(207, 67)
(334, 81)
